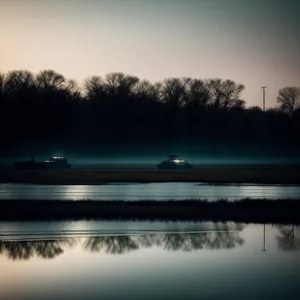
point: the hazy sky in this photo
(255, 42)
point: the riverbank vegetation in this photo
(247, 210)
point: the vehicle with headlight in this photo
(174, 162)
(55, 162)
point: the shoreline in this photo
(264, 174)
(246, 210)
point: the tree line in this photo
(118, 108)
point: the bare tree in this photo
(156, 91)
(94, 87)
(144, 89)
(50, 80)
(289, 99)
(173, 92)
(17, 81)
(196, 93)
(72, 88)
(225, 93)
(120, 84)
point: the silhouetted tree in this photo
(17, 86)
(72, 89)
(225, 93)
(173, 92)
(94, 88)
(197, 93)
(146, 91)
(289, 99)
(120, 85)
(49, 80)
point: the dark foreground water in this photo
(148, 191)
(144, 260)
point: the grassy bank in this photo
(212, 174)
(259, 211)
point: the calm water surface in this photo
(149, 191)
(148, 260)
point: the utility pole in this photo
(264, 97)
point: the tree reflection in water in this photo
(171, 242)
(220, 238)
(287, 240)
(24, 250)
(111, 244)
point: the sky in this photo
(254, 42)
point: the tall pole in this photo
(264, 97)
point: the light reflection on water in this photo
(148, 260)
(149, 191)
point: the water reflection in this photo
(149, 191)
(289, 238)
(149, 261)
(221, 237)
(121, 244)
(24, 250)
(111, 244)
(171, 242)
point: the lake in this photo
(148, 260)
(148, 191)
